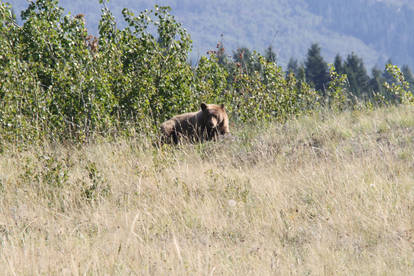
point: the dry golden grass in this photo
(321, 195)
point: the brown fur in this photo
(206, 124)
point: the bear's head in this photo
(215, 119)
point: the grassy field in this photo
(320, 195)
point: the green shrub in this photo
(57, 82)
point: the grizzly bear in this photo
(204, 125)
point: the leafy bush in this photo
(400, 88)
(60, 83)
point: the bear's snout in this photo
(212, 123)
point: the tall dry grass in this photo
(330, 194)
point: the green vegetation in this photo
(57, 84)
(61, 84)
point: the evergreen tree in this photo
(301, 75)
(270, 55)
(387, 76)
(292, 66)
(377, 81)
(357, 75)
(408, 76)
(338, 64)
(316, 69)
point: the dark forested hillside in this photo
(375, 30)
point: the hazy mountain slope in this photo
(384, 26)
(290, 26)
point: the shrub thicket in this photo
(58, 82)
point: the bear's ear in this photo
(203, 106)
(222, 106)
